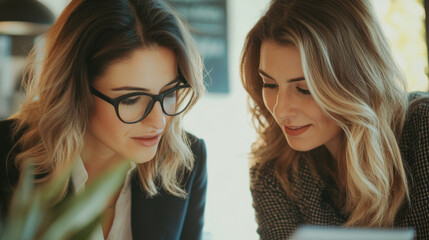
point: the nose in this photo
(285, 108)
(156, 117)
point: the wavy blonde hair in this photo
(352, 76)
(87, 37)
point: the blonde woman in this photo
(111, 82)
(340, 141)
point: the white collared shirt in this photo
(121, 226)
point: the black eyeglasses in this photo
(134, 107)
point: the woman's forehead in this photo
(151, 68)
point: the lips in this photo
(295, 130)
(147, 141)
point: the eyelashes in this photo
(303, 91)
(273, 86)
(269, 85)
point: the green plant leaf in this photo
(52, 190)
(80, 210)
(76, 217)
(23, 194)
(87, 231)
(33, 218)
(25, 213)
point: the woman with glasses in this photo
(111, 82)
(340, 141)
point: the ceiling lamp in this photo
(24, 17)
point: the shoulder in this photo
(197, 145)
(266, 171)
(414, 141)
(263, 175)
(8, 150)
(6, 127)
(9, 174)
(419, 104)
(414, 146)
(7, 140)
(198, 148)
(302, 179)
(417, 119)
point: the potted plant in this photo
(31, 215)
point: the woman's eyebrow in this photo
(297, 79)
(132, 88)
(265, 74)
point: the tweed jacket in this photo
(278, 216)
(163, 217)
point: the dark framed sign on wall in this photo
(208, 21)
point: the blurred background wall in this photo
(222, 120)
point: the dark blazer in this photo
(161, 217)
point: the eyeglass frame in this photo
(155, 98)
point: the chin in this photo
(301, 149)
(300, 146)
(144, 156)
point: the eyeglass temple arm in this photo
(102, 96)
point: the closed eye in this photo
(269, 85)
(303, 91)
(171, 94)
(130, 101)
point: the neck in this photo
(335, 146)
(96, 157)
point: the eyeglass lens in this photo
(133, 108)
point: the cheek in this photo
(325, 123)
(269, 97)
(103, 113)
(332, 128)
(104, 121)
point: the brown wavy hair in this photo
(352, 76)
(88, 36)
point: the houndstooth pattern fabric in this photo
(278, 216)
